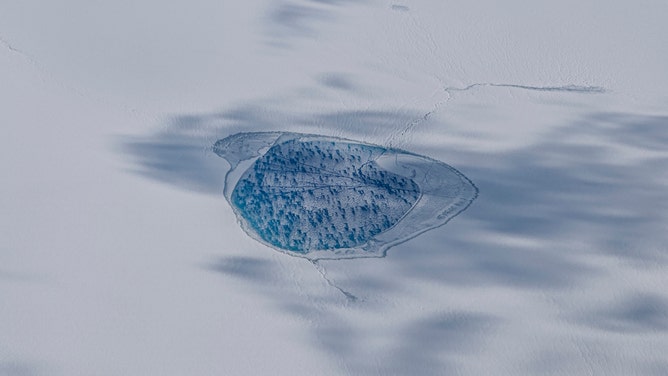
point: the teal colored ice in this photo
(320, 195)
(323, 197)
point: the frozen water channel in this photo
(326, 198)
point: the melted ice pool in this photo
(326, 198)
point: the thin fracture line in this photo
(323, 273)
(565, 88)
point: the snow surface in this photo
(121, 256)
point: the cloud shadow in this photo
(638, 313)
(288, 20)
(10, 368)
(594, 187)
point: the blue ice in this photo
(322, 197)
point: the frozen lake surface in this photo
(322, 197)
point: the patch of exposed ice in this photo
(328, 198)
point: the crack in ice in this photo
(10, 47)
(323, 272)
(565, 88)
(571, 88)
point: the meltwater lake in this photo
(324, 198)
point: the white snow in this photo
(120, 255)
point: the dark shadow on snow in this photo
(337, 81)
(181, 154)
(427, 342)
(288, 20)
(597, 186)
(254, 269)
(10, 368)
(176, 156)
(638, 313)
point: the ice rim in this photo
(444, 192)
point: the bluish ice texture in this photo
(322, 197)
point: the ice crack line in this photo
(392, 140)
(564, 88)
(408, 128)
(15, 50)
(20, 54)
(8, 46)
(323, 273)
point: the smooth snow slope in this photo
(120, 255)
